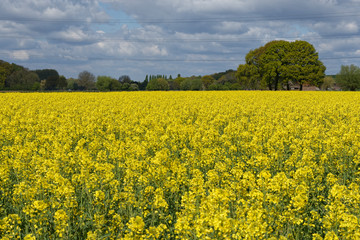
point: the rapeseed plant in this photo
(180, 165)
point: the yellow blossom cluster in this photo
(180, 165)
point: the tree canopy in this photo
(280, 63)
(86, 80)
(157, 84)
(106, 83)
(349, 77)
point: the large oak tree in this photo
(278, 64)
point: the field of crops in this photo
(180, 165)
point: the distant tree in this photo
(157, 84)
(51, 77)
(72, 84)
(226, 81)
(134, 87)
(178, 81)
(45, 73)
(173, 85)
(197, 84)
(207, 80)
(23, 80)
(104, 83)
(42, 84)
(186, 84)
(125, 86)
(142, 85)
(51, 82)
(125, 79)
(235, 86)
(5, 71)
(115, 85)
(249, 77)
(328, 83)
(86, 81)
(31, 80)
(14, 76)
(62, 83)
(191, 83)
(349, 78)
(218, 87)
(217, 76)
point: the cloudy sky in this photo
(190, 37)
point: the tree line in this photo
(16, 77)
(278, 65)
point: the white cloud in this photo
(341, 27)
(73, 34)
(230, 26)
(20, 55)
(349, 27)
(154, 50)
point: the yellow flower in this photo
(136, 224)
(29, 237)
(186, 165)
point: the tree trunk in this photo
(301, 87)
(287, 86)
(276, 82)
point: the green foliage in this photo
(229, 77)
(3, 75)
(23, 80)
(217, 76)
(192, 83)
(125, 79)
(52, 79)
(103, 83)
(106, 83)
(173, 85)
(328, 83)
(86, 81)
(157, 84)
(61, 84)
(274, 64)
(278, 64)
(72, 84)
(5, 70)
(142, 85)
(186, 84)
(225, 81)
(349, 78)
(115, 85)
(235, 86)
(178, 81)
(44, 74)
(134, 87)
(207, 80)
(51, 82)
(248, 77)
(303, 65)
(218, 87)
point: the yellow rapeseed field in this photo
(180, 165)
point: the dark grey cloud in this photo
(191, 37)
